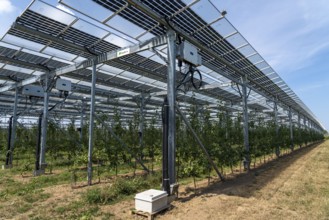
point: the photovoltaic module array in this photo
(45, 38)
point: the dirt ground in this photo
(295, 186)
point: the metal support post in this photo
(82, 122)
(37, 149)
(13, 129)
(8, 153)
(42, 160)
(307, 124)
(9, 161)
(246, 162)
(226, 125)
(291, 130)
(141, 125)
(299, 131)
(91, 124)
(165, 175)
(277, 148)
(305, 128)
(171, 96)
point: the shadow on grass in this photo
(248, 183)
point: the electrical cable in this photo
(194, 76)
(58, 103)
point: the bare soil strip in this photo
(295, 186)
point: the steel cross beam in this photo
(146, 45)
(23, 63)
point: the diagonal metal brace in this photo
(121, 142)
(200, 143)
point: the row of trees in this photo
(222, 136)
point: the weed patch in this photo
(120, 188)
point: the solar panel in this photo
(72, 39)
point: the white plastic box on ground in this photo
(151, 201)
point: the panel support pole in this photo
(13, 129)
(141, 125)
(82, 122)
(299, 130)
(291, 130)
(91, 123)
(226, 125)
(171, 96)
(246, 162)
(42, 161)
(276, 122)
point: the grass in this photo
(121, 188)
(30, 193)
(78, 210)
(30, 196)
(306, 191)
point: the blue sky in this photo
(292, 36)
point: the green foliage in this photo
(78, 210)
(221, 134)
(120, 188)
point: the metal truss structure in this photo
(121, 54)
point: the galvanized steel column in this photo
(81, 121)
(291, 130)
(42, 161)
(246, 161)
(226, 125)
(299, 131)
(91, 124)
(13, 128)
(141, 124)
(171, 96)
(277, 149)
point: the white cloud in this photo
(6, 6)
